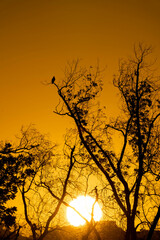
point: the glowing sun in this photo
(84, 205)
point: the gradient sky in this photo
(38, 37)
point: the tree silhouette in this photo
(71, 184)
(8, 184)
(44, 191)
(38, 209)
(15, 162)
(135, 163)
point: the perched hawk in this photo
(53, 79)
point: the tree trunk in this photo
(154, 224)
(97, 234)
(131, 231)
(89, 230)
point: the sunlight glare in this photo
(83, 204)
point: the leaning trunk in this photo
(154, 224)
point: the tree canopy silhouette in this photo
(15, 163)
(133, 169)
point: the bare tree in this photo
(77, 184)
(39, 208)
(47, 179)
(137, 129)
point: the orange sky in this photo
(37, 37)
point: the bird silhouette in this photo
(53, 79)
